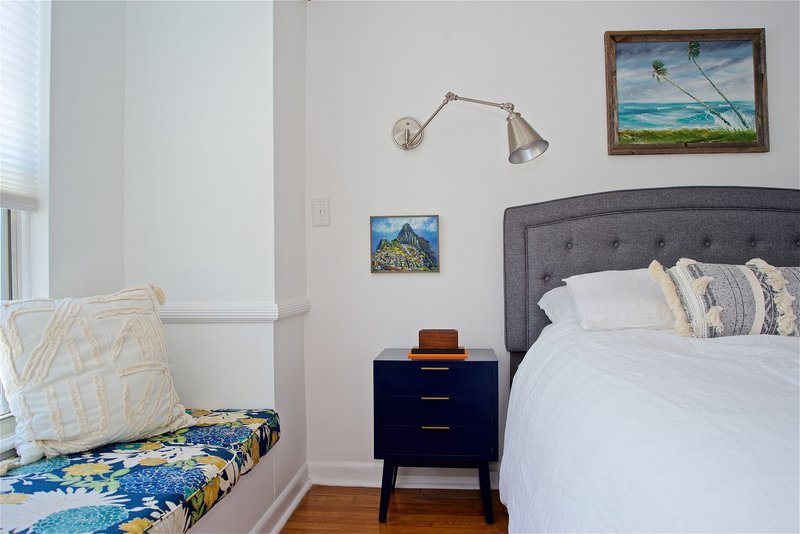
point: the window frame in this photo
(9, 253)
(30, 255)
(9, 240)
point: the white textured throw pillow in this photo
(79, 373)
(615, 300)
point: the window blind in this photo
(21, 163)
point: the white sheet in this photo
(646, 431)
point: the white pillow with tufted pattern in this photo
(79, 373)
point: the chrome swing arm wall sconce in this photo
(524, 143)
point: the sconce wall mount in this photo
(524, 143)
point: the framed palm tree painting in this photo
(686, 91)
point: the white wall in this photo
(370, 63)
(182, 96)
(86, 148)
(198, 148)
(199, 182)
(290, 250)
(290, 148)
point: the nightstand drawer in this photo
(434, 378)
(434, 409)
(435, 440)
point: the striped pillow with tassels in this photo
(714, 300)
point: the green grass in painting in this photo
(686, 135)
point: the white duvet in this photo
(646, 431)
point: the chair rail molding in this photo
(191, 312)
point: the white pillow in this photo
(79, 373)
(558, 305)
(614, 300)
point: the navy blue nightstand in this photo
(435, 413)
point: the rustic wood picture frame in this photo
(728, 126)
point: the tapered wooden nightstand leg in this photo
(394, 478)
(486, 492)
(386, 489)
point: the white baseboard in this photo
(275, 518)
(368, 474)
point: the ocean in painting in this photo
(670, 116)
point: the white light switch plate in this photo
(320, 212)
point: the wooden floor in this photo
(413, 511)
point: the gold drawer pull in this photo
(434, 398)
(435, 427)
(434, 368)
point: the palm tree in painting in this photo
(694, 52)
(660, 72)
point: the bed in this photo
(640, 429)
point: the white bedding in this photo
(646, 431)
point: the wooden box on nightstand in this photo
(435, 414)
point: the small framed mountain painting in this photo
(686, 91)
(404, 244)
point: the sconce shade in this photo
(524, 144)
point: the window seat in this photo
(164, 484)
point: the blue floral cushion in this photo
(164, 484)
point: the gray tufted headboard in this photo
(549, 241)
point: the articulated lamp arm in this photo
(409, 143)
(524, 143)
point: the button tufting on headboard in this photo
(539, 239)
